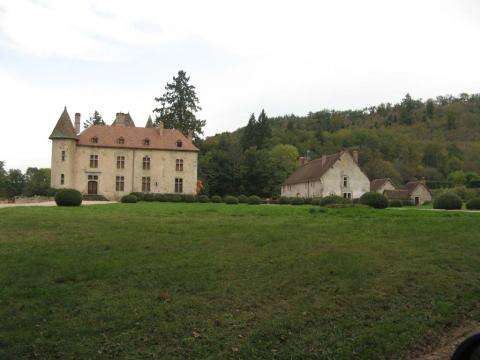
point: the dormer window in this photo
(179, 143)
(94, 140)
(146, 142)
(120, 141)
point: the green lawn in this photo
(222, 281)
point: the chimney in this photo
(301, 161)
(160, 128)
(324, 160)
(355, 156)
(190, 135)
(77, 123)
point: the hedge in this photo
(448, 201)
(231, 200)
(203, 199)
(254, 200)
(395, 203)
(243, 199)
(333, 199)
(68, 197)
(216, 199)
(375, 200)
(473, 204)
(129, 199)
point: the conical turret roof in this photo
(149, 122)
(64, 128)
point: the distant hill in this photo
(410, 140)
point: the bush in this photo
(297, 201)
(448, 201)
(333, 199)
(232, 200)
(374, 199)
(97, 197)
(203, 199)
(243, 199)
(254, 200)
(474, 204)
(160, 197)
(284, 200)
(138, 195)
(173, 197)
(395, 203)
(432, 184)
(68, 197)
(316, 201)
(149, 197)
(129, 199)
(216, 199)
(188, 198)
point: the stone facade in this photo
(341, 176)
(120, 170)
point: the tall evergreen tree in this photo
(179, 105)
(249, 133)
(264, 130)
(95, 119)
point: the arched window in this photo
(146, 141)
(120, 141)
(179, 165)
(94, 140)
(179, 143)
(146, 163)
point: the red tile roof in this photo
(378, 183)
(134, 138)
(313, 169)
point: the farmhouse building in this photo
(415, 192)
(380, 185)
(115, 160)
(336, 174)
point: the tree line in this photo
(33, 182)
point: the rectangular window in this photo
(120, 183)
(146, 184)
(178, 185)
(64, 155)
(345, 181)
(179, 165)
(347, 195)
(94, 161)
(146, 163)
(120, 162)
(62, 179)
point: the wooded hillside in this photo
(435, 139)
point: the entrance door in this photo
(92, 188)
(417, 200)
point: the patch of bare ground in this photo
(448, 343)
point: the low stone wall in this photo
(33, 199)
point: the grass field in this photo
(218, 281)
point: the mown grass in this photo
(198, 281)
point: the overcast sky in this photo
(284, 56)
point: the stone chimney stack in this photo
(302, 161)
(355, 156)
(324, 160)
(190, 135)
(160, 127)
(77, 123)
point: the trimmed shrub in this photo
(173, 197)
(283, 200)
(254, 200)
(375, 200)
(149, 197)
(448, 201)
(333, 199)
(297, 201)
(316, 201)
(243, 199)
(188, 198)
(395, 203)
(138, 195)
(160, 197)
(129, 199)
(68, 197)
(474, 204)
(216, 199)
(94, 197)
(232, 200)
(203, 199)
